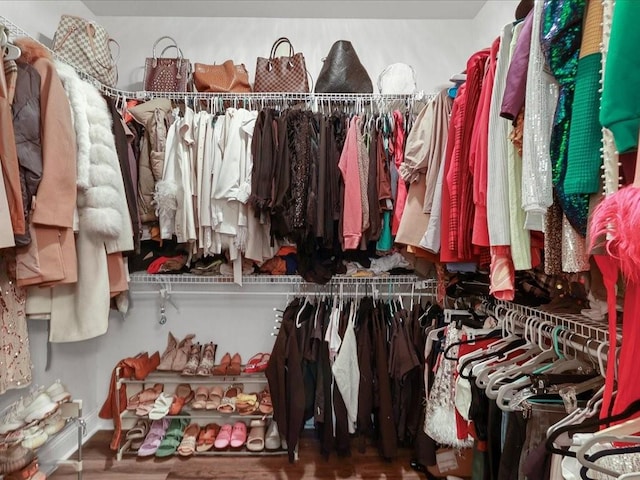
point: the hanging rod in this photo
(365, 98)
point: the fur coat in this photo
(102, 205)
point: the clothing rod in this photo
(380, 294)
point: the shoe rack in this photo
(252, 382)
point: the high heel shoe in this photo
(224, 365)
(169, 355)
(182, 354)
(194, 360)
(207, 360)
(235, 366)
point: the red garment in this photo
(475, 74)
(398, 154)
(449, 215)
(352, 205)
(479, 155)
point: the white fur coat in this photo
(102, 205)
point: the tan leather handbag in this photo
(221, 78)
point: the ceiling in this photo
(382, 9)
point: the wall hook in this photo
(165, 297)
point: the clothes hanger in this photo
(11, 51)
(581, 454)
(632, 409)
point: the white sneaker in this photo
(58, 392)
(41, 407)
(34, 437)
(12, 419)
(54, 423)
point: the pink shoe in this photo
(223, 438)
(238, 435)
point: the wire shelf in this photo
(187, 279)
(579, 324)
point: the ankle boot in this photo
(182, 355)
(169, 355)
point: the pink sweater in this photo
(352, 205)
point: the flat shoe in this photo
(215, 397)
(200, 398)
(228, 402)
(253, 362)
(207, 437)
(188, 444)
(161, 406)
(236, 365)
(224, 437)
(154, 437)
(172, 439)
(272, 437)
(255, 440)
(238, 435)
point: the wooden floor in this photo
(100, 463)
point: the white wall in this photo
(490, 20)
(435, 48)
(40, 18)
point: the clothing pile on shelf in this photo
(354, 367)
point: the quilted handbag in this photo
(221, 78)
(281, 74)
(342, 71)
(164, 74)
(397, 78)
(86, 45)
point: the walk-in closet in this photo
(315, 239)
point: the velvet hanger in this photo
(588, 461)
(498, 354)
(492, 334)
(632, 409)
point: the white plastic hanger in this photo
(11, 51)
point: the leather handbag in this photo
(221, 78)
(342, 71)
(164, 74)
(86, 45)
(397, 78)
(281, 74)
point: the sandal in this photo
(206, 362)
(173, 438)
(146, 396)
(236, 365)
(266, 407)
(253, 363)
(215, 397)
(161, 406)
(255, 440)
(224, 365)
(224, 437)
(193, 362)
(188, 444)
(238, 435)
(207, 437)
(246, 404)
(154, 437)
(259, 366)
(228, 402)
(135, 436)
(181, 397)
(200, 398)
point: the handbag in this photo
(221, 78)
(397, 78)
(164, 74)
(281, 74)
(342, 71)
(86, 45)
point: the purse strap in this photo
(279, 42)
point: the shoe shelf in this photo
(195, 414)
(175, 377)
(231, 452)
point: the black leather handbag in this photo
(342, 71)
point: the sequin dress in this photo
(15, 358)
(561, 39)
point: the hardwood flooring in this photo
(100, 464)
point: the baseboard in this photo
(65, 444)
